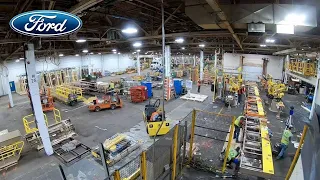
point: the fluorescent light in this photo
(137, 44)
(91, 53)
(201, 45)
(81, 40)
(270, 40)
(285, 29)
(183, 48)
(77, 55)
(138, 50)
(263, 45)
(23, 58)
(302, 49)
(61, 55)
(99, 53)
(17, 60)
(85, 51)
(129, 30)
(179, 40)
(119, 53)
(114, 50)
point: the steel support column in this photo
(35, 98)
(167, 61)
(7, 85)
(201, 65)
(138, 63)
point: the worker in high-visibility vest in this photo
(199, 85)
(286, 138)
(237, 125)
(233, 157)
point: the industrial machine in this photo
(159, 127)
(70, 96)
(46, 100)
(231, 97)
(11, 145)
(108, 102)
(256, 158)
(116, 147)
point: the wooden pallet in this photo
(194, 97)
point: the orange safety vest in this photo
(153, 115)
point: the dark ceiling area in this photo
(104, 19)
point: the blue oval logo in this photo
(45, 23)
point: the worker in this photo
(241, 91)
(199, 85)
(237, 125)
(286, 138)
(111, 87)
(156, 115)
(233, 157)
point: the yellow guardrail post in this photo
(175, 146)
(57, 114)
(228, 146)
(143, 166)
(295, 159)
(116, 175)
(192, 134)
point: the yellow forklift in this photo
(158, 126)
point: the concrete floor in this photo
(94, 127)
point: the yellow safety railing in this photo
(305, 68)
(27, 123)
(57, 115)
(11, 150)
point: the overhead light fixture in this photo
(263, 45)
(81, 40)
(183, 48)
(119, 53)
(21, 58)
(91, 53)
(114, 50)
(129, 30)
(18, 60)
(85, 51)
(270, 40)
(146, 53)
(137, 44)
(201, 45)
(138, 50)
(99, 53)
(179, 40)
(302, 49)
(134, 52)
(77, 55)
(61, 55)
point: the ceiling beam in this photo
(168, 18)
(83, 5)
(215, 6)
(51, 5)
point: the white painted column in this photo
(201, 65)
(315, 92)
(138, 63)
(194, 60)
(7, 85)
(35, 97)
(167, 58)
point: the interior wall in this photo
(107, 62)
(275, 64)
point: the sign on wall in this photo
(45, 23)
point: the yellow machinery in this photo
(116, 147)
(11, 145)
(152, 127)
(306, 68)
(67, 94)
(276, 90)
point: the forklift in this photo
(158, 127)
(108, 102)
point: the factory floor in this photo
(94, 127)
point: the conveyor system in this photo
(256, 159)
(58, 132)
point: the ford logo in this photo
(45, 23)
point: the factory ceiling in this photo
(104, 19)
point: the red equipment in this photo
(138, 93)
